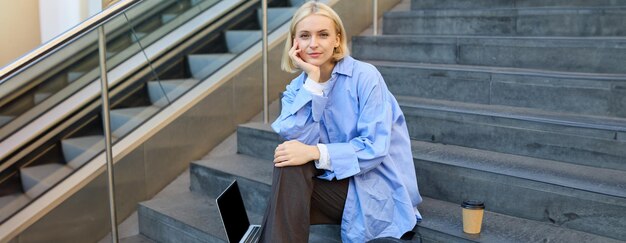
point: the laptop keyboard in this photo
(255, 233)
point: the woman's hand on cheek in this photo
(294, 153)
(311, 70)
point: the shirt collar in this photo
(344, 66)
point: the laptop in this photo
(234, 216)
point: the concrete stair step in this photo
(125, 120)
(442, 219)
(589, 54)
(202, 65)
(254, 175)
(193, 218)
(77, 151)
(157, 90)
(238, 41)
(10, 204)
(39, 178)
(276, 16)
(136, 239)
(455, 4)
(257, 140)
(508, 22)
(585, 140)
(580, 93)
(573, 196)
(5, 119)
(443, 223)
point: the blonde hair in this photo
(304, 11)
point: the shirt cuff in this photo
(313, 87)
(324, 162)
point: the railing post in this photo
(107, 131)
(375, 16)
(265, 51)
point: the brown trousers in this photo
(300, 199)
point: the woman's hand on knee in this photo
(294, 153)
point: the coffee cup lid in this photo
(473, 204)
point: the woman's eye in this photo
(324, 34)
(304, 36)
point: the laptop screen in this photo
(233, 213)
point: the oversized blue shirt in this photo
(361, 124)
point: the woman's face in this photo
(317, 38)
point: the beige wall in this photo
(19, 28)
(106, 3)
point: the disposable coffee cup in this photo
(472, 216)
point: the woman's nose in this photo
(313, 42)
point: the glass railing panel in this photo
(31, 176)
(36, 89)
(170, 14)
(139, 97)
(77, 138)
(32, 92)
(81, 140)
(204, 4)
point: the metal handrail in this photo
(106, 120)
(375, 17)
(266, 116)
(64, 39)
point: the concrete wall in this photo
(106, 3)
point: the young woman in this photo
(347, 157)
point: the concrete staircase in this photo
(517, 103)
(447, 175)
(195, 219)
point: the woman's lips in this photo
(315, 54)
